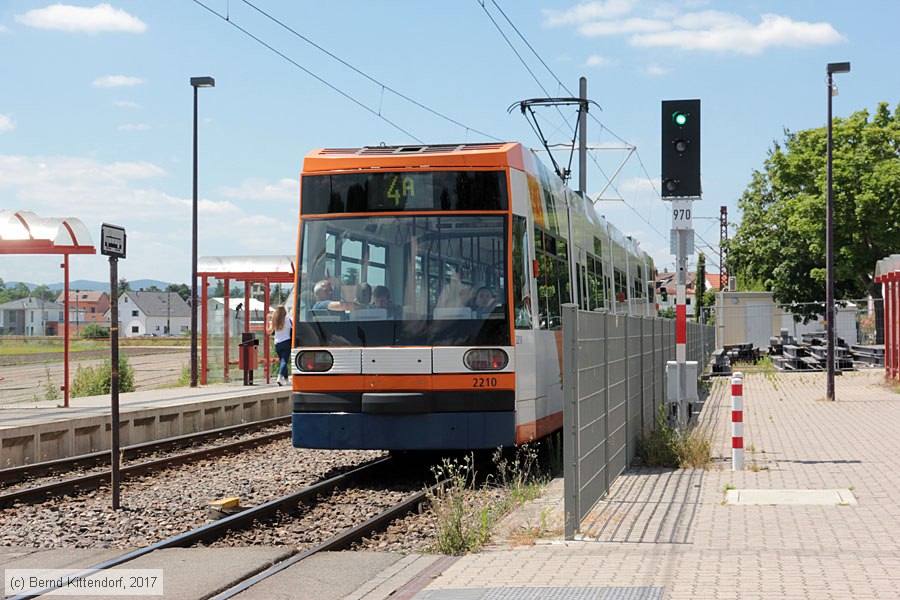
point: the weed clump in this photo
(95, 381)
(663, 446)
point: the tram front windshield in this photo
(407, 280)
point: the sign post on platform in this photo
(112, 244)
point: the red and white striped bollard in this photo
(737, 422)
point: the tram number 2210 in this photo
(484, 382)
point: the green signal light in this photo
(680, 118)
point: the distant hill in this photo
(97, 286)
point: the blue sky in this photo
(96, 105)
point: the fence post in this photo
(571, 483)
(737, 422)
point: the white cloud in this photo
(117, 81)
(126, 193)
(126, 104)
(687, 27)
(6, 123)
(727, 33)
(3, 28)
(254, 189)
(656, 70)
(626, 26)
(609, 9)
(98, 19)
(598, 61)
(134, 127)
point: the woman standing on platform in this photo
(280, 326)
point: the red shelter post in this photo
(23, 232)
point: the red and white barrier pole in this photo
(737, 422)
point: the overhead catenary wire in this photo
(592, 116)
(384, 86)
(228, 18)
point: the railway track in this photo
(268, 511)
(130, 453)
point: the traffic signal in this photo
(681, 148)
(663, 294)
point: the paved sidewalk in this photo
(671, 534)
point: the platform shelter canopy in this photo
(23, 232)
(276, 268)
(249, 270)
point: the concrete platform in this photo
(44, 431)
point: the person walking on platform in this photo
(280, 326)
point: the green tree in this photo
(42, 292)
(667, 313)
(153, 288)
(20, 290)
(182, 289)
(124, 286)
(780, 242)
(94, 331)
(699, 286)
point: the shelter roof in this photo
(278, 268)
(23, 232)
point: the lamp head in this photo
(842, 67)
(203, 82)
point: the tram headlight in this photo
(314, 361)
(486, 359)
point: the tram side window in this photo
(621, 285)
(596, 290)
(521, 275)
(581, 271)
(553, 284)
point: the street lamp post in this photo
(196, 82)
(831, 69)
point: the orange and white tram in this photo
(427, 309)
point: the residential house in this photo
(86, 307)
(32, 317)
(668, 281)
(152, 313)
(715, 282)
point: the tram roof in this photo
(499, 154)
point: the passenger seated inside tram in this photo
(324, 292)
(484, 302)
(381, 298)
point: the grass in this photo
(467, 511)
(42, 347)
(663, 446)
(12, 346)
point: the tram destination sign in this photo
(112, 241)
